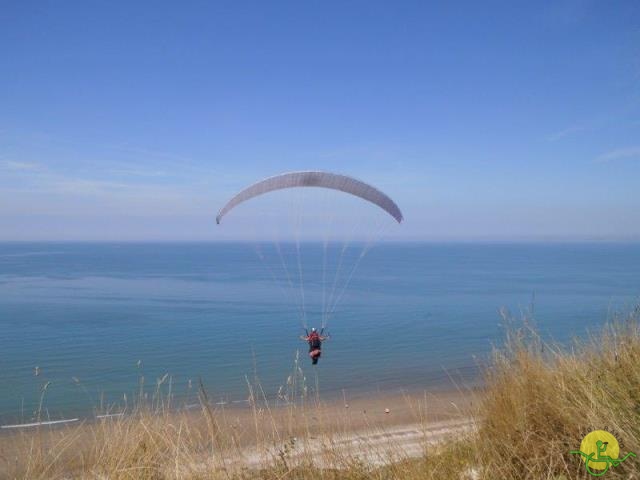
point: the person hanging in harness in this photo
(314, 339)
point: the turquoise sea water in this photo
(413, 316)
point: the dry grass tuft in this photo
(541, 400)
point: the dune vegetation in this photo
(537, 402)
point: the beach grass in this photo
(537, 402)
(541, 400)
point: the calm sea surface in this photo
(96, 318)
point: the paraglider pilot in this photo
(314, 339)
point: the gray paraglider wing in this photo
(315, 179)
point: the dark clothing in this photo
(315, 342)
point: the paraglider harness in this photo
(315, 345)
(314, 341)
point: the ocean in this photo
(99, 322)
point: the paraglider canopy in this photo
(329, 180)
(314, 275)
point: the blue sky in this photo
(484, 120)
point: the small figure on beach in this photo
(314, 339)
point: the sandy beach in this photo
(376, 429)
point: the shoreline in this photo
(355, 411)
(363, 401)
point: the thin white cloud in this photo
(120, 159)
(37, 180)
(20, 166)
(139, 172)
(81, 186)
(620, 154)
(554, 137)
(61, 194)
